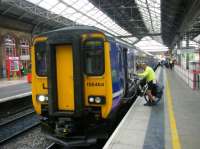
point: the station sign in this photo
(13, 58)
(25, 57)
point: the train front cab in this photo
(72, 83)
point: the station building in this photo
(14, 43)
(169, 30)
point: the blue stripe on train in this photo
(116, 102)
(115, 66)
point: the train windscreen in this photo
(94, 57)
(41, 58)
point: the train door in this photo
(64, 73)
(65, 82)
(125, 69)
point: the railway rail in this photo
(14, 106)
(17, 119)
(18, 125)
(54, 145)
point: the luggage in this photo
(159, 90)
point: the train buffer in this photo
(173, 123)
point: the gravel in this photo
(32, 139)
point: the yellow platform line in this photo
(173, 129)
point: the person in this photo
(159, 64)
(171, 64)
(22, 69)
(150, 77)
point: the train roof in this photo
(74, 30)
(81, 29)
(86, 29)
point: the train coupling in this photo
(64, 126)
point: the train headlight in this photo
(42, 98)
(96, 99)
(91, 99)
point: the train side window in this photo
(93, 50)
(41, 58)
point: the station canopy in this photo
(129, 20)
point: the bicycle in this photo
(142, 87)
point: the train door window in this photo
(121, 60)
(120, 63)
(41, 58)
(119, 57)
(115, 56)
(93, 50)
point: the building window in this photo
(9, 51)
(9, 46)
(24, 47)
(24, 55)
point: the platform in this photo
(173, 123)
(14, 89)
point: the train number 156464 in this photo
(94, 84)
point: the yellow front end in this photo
(93, 85)
(64, 73)
(39, 82)
(100, 85)
(61, 71)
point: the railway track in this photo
(17, 122)
(14, 106)
(13, 127)
(55, 146)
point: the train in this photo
(81, 77)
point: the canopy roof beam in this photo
(149, 15)
(147, 34)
